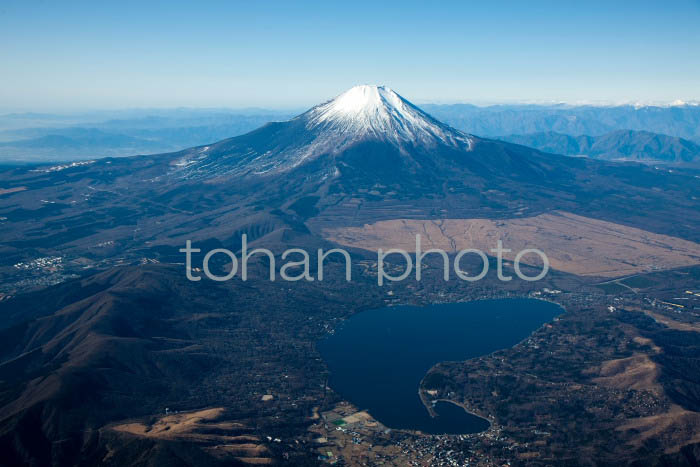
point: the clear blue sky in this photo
(71, 55)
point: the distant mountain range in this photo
(45, 137)
(627, 145)
(76, 143)
(681, 121)
(42, 138)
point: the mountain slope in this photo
(141, 339)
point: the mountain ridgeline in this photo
(681, 120)
(621, 145)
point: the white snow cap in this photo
(362, 113)
(365, 99)
(370, 110)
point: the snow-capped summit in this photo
(363, 115)
(378, 111)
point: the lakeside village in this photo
(344, 434)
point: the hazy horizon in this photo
(68, 111)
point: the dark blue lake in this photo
(378, 358)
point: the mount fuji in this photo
(360, 115)
(366, 155)
(367, 139)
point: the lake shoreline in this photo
(422, 391)
(379, 360)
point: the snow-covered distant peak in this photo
(377, 111)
